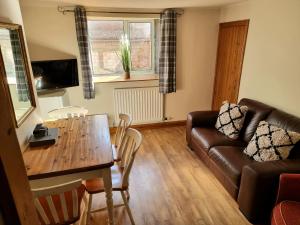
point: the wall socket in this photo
(166, 118)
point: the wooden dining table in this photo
(82, 151)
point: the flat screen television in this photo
(55, 74)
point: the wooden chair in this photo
(120, 172)
(124, 123)
(60, 204)
(68, 112)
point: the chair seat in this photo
(94, 186)
(286, 213)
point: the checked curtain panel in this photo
(167, 56)
(83, 44)
(21, 80)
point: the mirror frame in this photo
(3, 79)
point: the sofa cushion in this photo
(288, 122)
(271, 143)
(210, 137)
(286, 213)
(257, 111)
(231, 119)
(230, 160)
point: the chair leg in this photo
(127, 194)
(88, 209)
(127, 207)
(82, 219)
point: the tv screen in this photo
(55, 74)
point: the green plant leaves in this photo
(125, 53)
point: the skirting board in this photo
(154, 125)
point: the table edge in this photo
(68, 172)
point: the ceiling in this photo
(133, 4)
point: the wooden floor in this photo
(170, 186)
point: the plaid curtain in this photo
(83, 44)
(21, 79)
(167, 55)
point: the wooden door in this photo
(16, 201)
(230, 54)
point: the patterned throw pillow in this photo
(231, 119)
(271, 143)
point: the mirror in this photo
(15, 71)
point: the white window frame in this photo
(126, 29)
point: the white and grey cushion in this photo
(231, 119)
(271, 143)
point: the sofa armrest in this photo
(289, 188)
(199, 119)
(258, 187)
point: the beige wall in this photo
(271, 71)
(51, 35)
(196, 53)
(10, 12)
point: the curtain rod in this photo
(63, 10)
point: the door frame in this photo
(17, 206)
(245, 22)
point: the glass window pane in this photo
(141, 43)
(104, 39)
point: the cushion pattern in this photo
(231, 118)
(271, 143)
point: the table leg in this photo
(108, 192)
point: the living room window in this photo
(104, 36)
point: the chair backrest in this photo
(68, 112)
(59, 204)
(124, 123)
(129, 146)
(289, 186)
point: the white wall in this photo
(51, 35)
(271, 69)
(10, 12)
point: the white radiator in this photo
(144, 104)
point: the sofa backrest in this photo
(284, 120)
(257, 111)
(288, 122)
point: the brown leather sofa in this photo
(252, 184)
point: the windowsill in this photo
(120, 78)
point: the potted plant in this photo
(125, 55)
